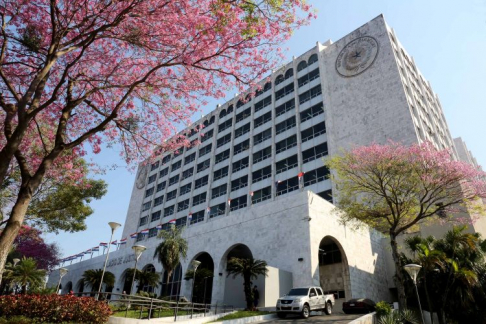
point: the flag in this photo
(144, 232)
(87, 251)
(134, 235)
(251, 193)
(208, 210)
(159, 227)
(189, 217)
(172, 221)
(104, 244)
(115, 242)
(79, 255)
(301, 178)
(123, 241)
(229, 202)
(277, 183)
(95, 249)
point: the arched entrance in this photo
(334, 270)
(146, 286)
(233, 288)
(67, 289)
(203, 284)
(172, 288)
(80, 287)
(127, 282)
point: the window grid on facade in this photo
(262, 154)
(146, 206)
(197, 217)
(308, 95)
(288, 89)
(158, 201)
(308, 77)
(205, 150)
(239, 183)
(176, 165)
(183, 205)
(185, 189)
(199, 199)
(203, 165)
(283, 108)
(149, 192)
(311, 112)
(223, 140)
(219, 191)
(287, 186)
(263, 103)
(243, 115)
(155, 216)
(168, 211)
(238, 203)
(166, 159)
(225, 125)
(171, 195)
(154, 166)
(152, 178)
(143, 221)
(263, 119)
(187, 173)
(314, 153)
(222, 156)
(286, 144)
(220, 173)
(261, 195)
(164, 172)
(285, 125)
(201, 182)
(241, 147)
(313, 131)
(286, 164)
(317, 175)
(174, 180)
(262, 174)
(217, 210)
(189, 158)
(207, 135)
(241, 164)
(161, 186)
(242, 130)
(263, 136)
(152, 232)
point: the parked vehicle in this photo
(304, 300)
(359, 306)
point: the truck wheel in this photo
(328, 309)
(281, 315)
(305, 311)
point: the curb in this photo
(366, 319)
(250, 319)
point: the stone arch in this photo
(267, 86)
(230, 110)
(239, 103)
(334, 269)
(126, 282)
(67, 288)
(302, 65)
(203, 287)
(172, 288)
(312, 59)
(289, 73)
(279, 79)
(148, 268)
(79, 287)
(222, 113)
(233, 288)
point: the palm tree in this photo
(249, 269)
(200, 281)
(92, 277)
(171, 249)
(25, 273)
(144, 278)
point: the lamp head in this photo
(62, 272)
(138, 249)
(15, 261)
(195, 264)
(114, 225)
(413, 270)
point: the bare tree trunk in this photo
(398, 278)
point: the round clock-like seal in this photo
(142, 174)
(357, 56)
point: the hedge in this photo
(55, 308)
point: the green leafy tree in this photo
(249, 269)
(25, 274)
(171, 249)
(395, 188)
(203, 277)
(144, 278)
(92, 277)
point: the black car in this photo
(359, 306)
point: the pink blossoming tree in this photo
(76, 74)
(394, 188)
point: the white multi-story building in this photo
(254, 185)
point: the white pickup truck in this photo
(303, 301)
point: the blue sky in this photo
(446, 38)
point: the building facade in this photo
(256, 184)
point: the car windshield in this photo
(298, 292)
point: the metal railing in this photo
(135, 306)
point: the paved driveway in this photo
(330, 319)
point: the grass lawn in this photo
(241, 314)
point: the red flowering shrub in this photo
(55, 308)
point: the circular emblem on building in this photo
(357, 56)
(142, 174)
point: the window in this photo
(217, 210)
(263, 103)
(308, 77)
(314, 153)
(197, 217)
(262, 174)
(238, 203)
(311, 112)
(192, 145)
(140, 237)
(146, 206)
(203, 165)
(239, 183)
(222, 113)
(312, 59)
(219, 191)
(143, 221)
(242, 130)
(286, 164)
(241, 164)
(164, 172)
(173, 180)
(207, 136)
(284, 91)
(201, 182)
(317, 175)
(262, 154)
(279, 79)
(329, 254)
(243, 146)
(166, 159)
(176, 165)
(171, 195)
(261, 195)
(183, 205)
(222, 156)
(154, 166)
(178, 151)
(158, 201)
(287, 143)
(185, 189)
(221, 173)
(223, 140)
(155, 216)
(205, 150)
(149, 192)
(285, 125)
(288, 185)
(169, 211)
(263, 136)
(239, 104)
(283, 108)
(152, 232)
(152, 178)
(313, 131)
(244, 114)
(327, 195)
(199, 199)
(189, 158)
(289, 73)
(161, 186)
(308, 95)
(180, 222)
(187, 173)
(263, 119)
(227, 124)
(302, 65)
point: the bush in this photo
(403, 317)
(54, 309)
(382, 309)
(15, 320)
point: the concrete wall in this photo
(277, 284)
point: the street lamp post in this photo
(113, 227)
(194, 264)
(413, 270)
(13, 284)
(204, 298)
(62, 272)
(15, 261)
(138, 249)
